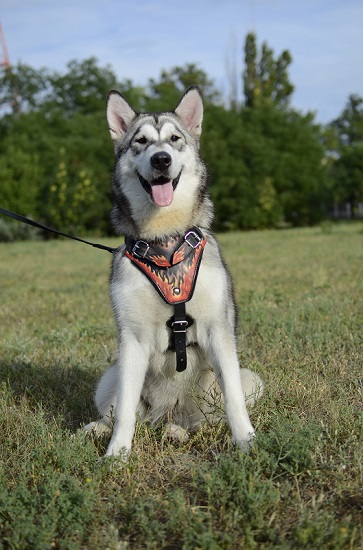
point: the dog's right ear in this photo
(119, 115)
(190, 110)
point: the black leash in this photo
(38, 225)
(179, 323)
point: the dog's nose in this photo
(161, 161)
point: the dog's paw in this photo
(97, 428)
(122, 454)
(177, 433)
(245, 444)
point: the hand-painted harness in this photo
(172, 265)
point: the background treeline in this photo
(271, 166)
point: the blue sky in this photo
(138, 38)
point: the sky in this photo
(139, 38)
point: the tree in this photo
(348, 177)
(58, 148)
(83, 87)
(265, 79)
(18, 169)
(347, 169)
(350, 123)
(265, 159)
(167, 91)
(22, 88)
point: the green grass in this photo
(300, 296)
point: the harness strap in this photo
(179, 326)
(38, 225)
(172, 267)
(145, 251)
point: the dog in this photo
(171, 363)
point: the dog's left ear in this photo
(190, 110)
(119, 115)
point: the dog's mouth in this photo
(161, 189)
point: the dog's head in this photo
(155, 150)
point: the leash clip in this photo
(143, 247)
(192, 239)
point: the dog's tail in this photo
(252, 386)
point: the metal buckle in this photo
(192, 235)
(179, 326)
(139, 245)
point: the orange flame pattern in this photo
(174, 279)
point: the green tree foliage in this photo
(266, 167)
(61, 122)
(22, 88)
(347, 166)
(348, 176)
(19, 170)
(82, 89)
(167, 91)
(265, 79)
(71, 195)
(350, 123)
(269, 164)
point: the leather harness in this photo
(172, 266)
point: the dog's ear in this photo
(190, 110)
(119, 115)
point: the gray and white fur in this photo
(160, 189)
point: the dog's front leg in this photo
(223, 355)
(132, 364)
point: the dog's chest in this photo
(140, 309)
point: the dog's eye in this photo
(175, 138)
(141, 140)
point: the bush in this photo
(11, 231)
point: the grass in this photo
(299, 294)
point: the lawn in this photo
(300, 300)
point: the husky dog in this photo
(160, 191)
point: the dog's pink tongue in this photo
(162, 193)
